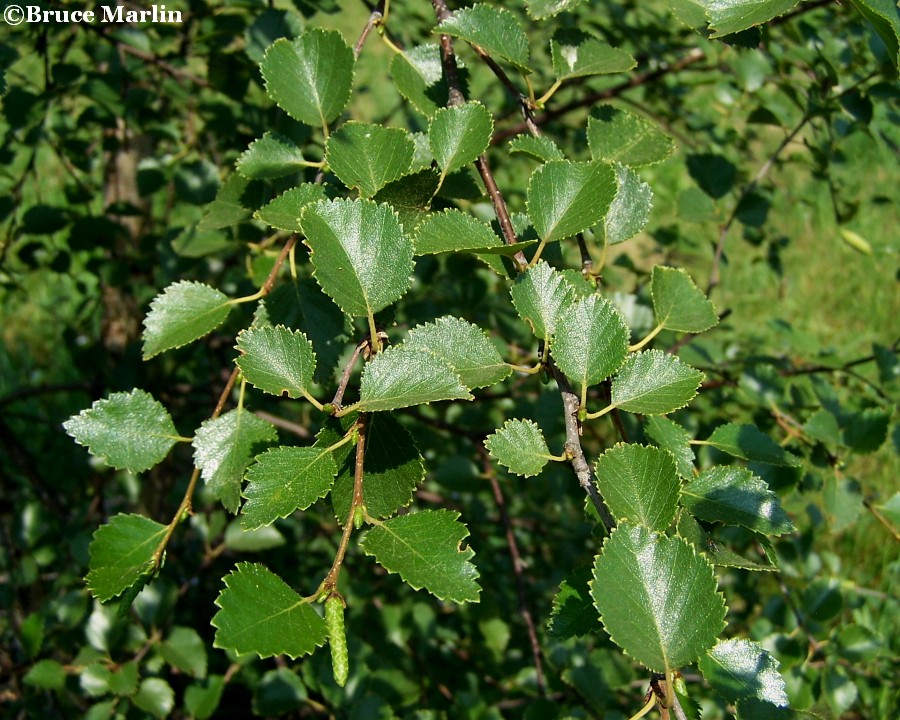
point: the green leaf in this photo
(464, 347)
(882, 14)
(419, 76)
(541, 147)
(741, 669)
(156, 697)
(283, 480)
(279, 692)
(424, 548)
(310, 77)
(368, 157)
(735, 496)
(751, 709)
(617, 135)
(494, 29)
(670, 436)
(458, 135)
(630, 209)
(184, 312)
(519, 446)
(573, 613)
(401, 377)
(46, 675)
(260, 614)
(130, 431)
(186, 650)
(122, 554)
(678, 303)
(654, 383)
(591, 340)
(640, 485)
(393, 467)
(202, 699)
(259, 540)
(362, 259)
(540, 295)
(577, 54)
(454, 231)
(543, 9)
(749, 443)
(228, 208)
(657, 598)
(566, 198)
(284, 211)
(716, 552)
(223, 448)
(276, 360)
(731, 16)
(271, 156)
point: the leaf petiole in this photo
(547, 95)
(652, 334)
(599, 413)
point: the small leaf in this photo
(156, 697)
(735, 496)
(284, 211)
(543, 9)
(577, 54)
(731, 16)
(591, 340)
(454, 231)
(228, 207)
(310, 77)
(259, 540)
(882, 14)
(419, 76)
(46, 675)
(573, 614)
(654, 383)
(566, 198)
(186, 650)
(272, 156)
(495, 30)
(670, 436)
(130, 431)
(717, 553)
(540, 295)
(283, 480)
(630, 209)
(261, 614)
(540, 148)
(741, 669)
(458, 135)
(368, 157)
(122, 554)
(401, 377)
(276, 360)
(640, 485)
(424, 548)
(621, 136)
(464, 347)
(749, 443)
(519, 446)
(678, 303)
(362, 259)
(184, 312)
(657, 598)
(223, 448)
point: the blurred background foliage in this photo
(114, 140)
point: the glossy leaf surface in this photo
(577, 54)
(566, 198)
(368, 157)
(271, 156)
(740, 669)
(617, 135)
(184, 312)
(520, 447)
(122, 554)
(591, 340)
(284, 211)
(540, 295)
(750, 443)
(276, 360)
(494, 29)
(654, 383)
(458, 135)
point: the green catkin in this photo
(337, 639)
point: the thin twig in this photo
(345, 377)
(374, 19)
(166, 67)
(281, 422)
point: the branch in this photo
(166, 67)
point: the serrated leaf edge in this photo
(526, 421)
(268, 330)
(155, 301)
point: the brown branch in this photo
(166, 67)
(345, 376)
(374, 18)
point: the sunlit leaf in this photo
(454, 231)
(541, 147)
(543, 9)
(617, 135)
(540, 295)
(654, 383)
(122, 554)
(731, 16)
(630, 208)
(367, 156)
(678, 303)
(494, 29)
(750, 443)
(577, 54)
(271, 156)
(184, 312)
(670, 436)
(566, 198)
(458, 135)
(284, 211)
(740, 669)
(591, 340)
(519, 446)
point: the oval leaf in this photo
(368, 157)
(122, 554)
(260, 614)
(495, 30)
(748, 442)
(184, 312)
(654, 383)
(310, 77)
(630, 209)
(454, 231)
(543, 9)
(130, 431)
(458, 135)
(284, 211)
(741, 669)
(276, 360)
(678, 303)
(670, 436)
(566, 198)
(424, 548)
(540, 148)
(657, 598)
(271, 156)
(419, 76)
(540, 295)
(731, 16)
(361, 257)
(577, 54)
(621, 136)
(519, 446)
(591, 340)
(640, 485)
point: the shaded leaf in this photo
(184, 312)
(543, 9)
(573, 613)
(657, 598)
(310, 77)
(283, 480)
(276, 360)
(882, 14)
(367, 156)
(224, 447)
(617, 135)
(258, 540)
(591, 340)
(271, 156)
(670, 436)
(494, 29)
(740, 669)
(130, 431)
(361, 257)
(749, 443)
(541, 147)
(418, 75)
(577, 54)
(654, 383)
(566, 198)
(228, 208)
(186, 650)
(735, 496)
(630, 209)
(46, 675)
(519, 446)
(540, 295)
(202, 699)
(122, 554)
(678, 303)
(640, 485)
(454, 231)
(424, 548)
(458, 135)
(716, 552)
(284, 211)
(260, 614)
